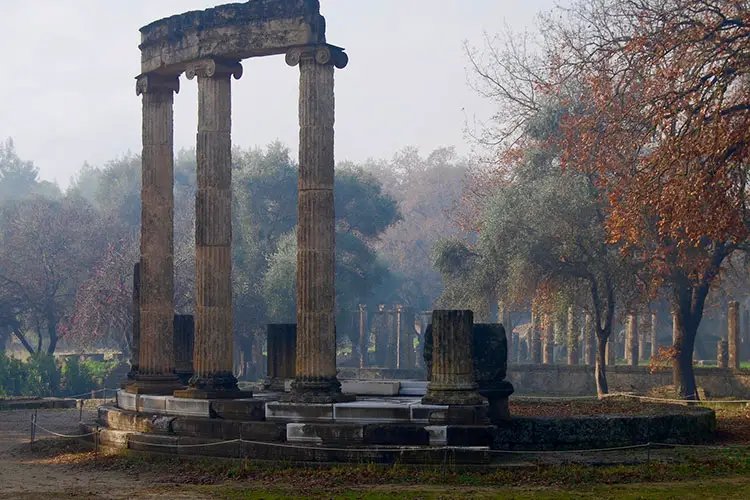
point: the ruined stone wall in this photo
(562, 380)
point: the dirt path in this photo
(33, 475)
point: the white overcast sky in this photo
(68, 93)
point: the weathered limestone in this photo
(364, 336)
(214, 332)
(452, 375)
(316, 380)
(136, 336)
(548, 340)
(631, 336)
(184, 342)
(404, 338)
(156, 353)
(572, 337)
(281, 347)
(490, 352)
(536, 339)
(733, 333)
(611, 352)
(235, 30)
(654, 339)
(590, 341)
(642, 345)
(722, 354)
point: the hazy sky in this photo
(68, 94)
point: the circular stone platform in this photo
(386, 429)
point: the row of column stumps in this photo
(315, 371)
(401, 336)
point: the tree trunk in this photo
(601, 362)
(52, 333)
(23, 340)
(683, 374)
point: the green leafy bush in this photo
(77, 378)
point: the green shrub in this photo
(99, 370)
(76, 378)
(43, 376)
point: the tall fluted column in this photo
(281, 346)
(535, 339)
(631, 337)
(572, 337)
(364, 337)
(548, 340)
(452, 376)
(316, 380)
(156, 354)
(590, 341)
(213, 357)
(721, 353)
(135, 339)
(733, 333)
(654, 340)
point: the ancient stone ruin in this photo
(181, 396)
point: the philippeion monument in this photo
(181, 395)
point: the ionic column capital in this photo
(209, 68)
(325, 55)
(152, 83)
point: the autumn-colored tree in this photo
(667, 127)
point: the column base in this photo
(317, 391)
(275, 384)
(215, 386)
(458, 395)
(156, 385)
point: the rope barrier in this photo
(63, 435)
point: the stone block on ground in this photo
(371, 387)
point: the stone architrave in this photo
(315, 379)
(733, 335)
(184, 343)
(721, 353)
(572, 337)
(364, 338)
(654, 339)
(136, 336)
(452, 375)
(213, 359)
(156, 350)
(281, 346)
(548, 340)
(590, 341)
(631, 335)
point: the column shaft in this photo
(632, 339)
(733, 333)
(156, 353)
(572, 337)
(213, 356)
(548, 340)
(654, 340)
(316, 380)
(452, 376)
(136, 318)
(281, 346)
(364, 338)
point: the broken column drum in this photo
(281, 346)
(452, 374)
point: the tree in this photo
(46, 248)
(427, 189)
(667, 128)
